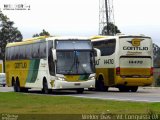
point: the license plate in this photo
(77, 84)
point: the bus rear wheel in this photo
(16, 86)
(134, 88)
(80, 90)
(123, 89)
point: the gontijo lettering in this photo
(21, 65)
(135, 48)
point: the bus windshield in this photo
(75, 62)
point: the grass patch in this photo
(45, 104)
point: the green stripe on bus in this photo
(83, 77)
(33, 71)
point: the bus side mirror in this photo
(54, 54)
(97, 53)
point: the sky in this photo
(81, 17)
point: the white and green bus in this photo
(125, 62)
(50, 63)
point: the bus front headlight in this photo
(61, 78)
(92, 77)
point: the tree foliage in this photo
(110, 29)
(156, 55)
(8, 33)
(156, 62)
(43, 33)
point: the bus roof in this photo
(67, 37)
(132, 36)
(27, 41)
(41, 38)
(101, 37)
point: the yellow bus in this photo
(125, 62)
(50, 63)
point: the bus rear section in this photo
(135, 67)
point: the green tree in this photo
(156, 55)
(8, 33)
(43, 33)
(156, 61)
(110, 29)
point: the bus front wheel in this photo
(80, 90)
(45, 89)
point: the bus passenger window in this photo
(12, 54)
(16, 51)
(11, 51)
(35, 50)
(21, 52)
(107, 47)
(28, 52)
(7, 54)
(43, 50)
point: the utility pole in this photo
(106, 14)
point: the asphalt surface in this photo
(144, 94)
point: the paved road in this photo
(143, 95)
(6, 89)
(148, 94)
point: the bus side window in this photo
(28, 51)
(51, 63)
(16, 51)
(12, 54)
(43, 50)
(7, 54)
(21, 52)
(107, 47)
(35, 52)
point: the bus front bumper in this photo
(73, 85)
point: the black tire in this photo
(91, 89)
(16, 86)
(80, 90)
(134, 88)
(22, 89)
(123, 89)
(45, 89)
(100, 85)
